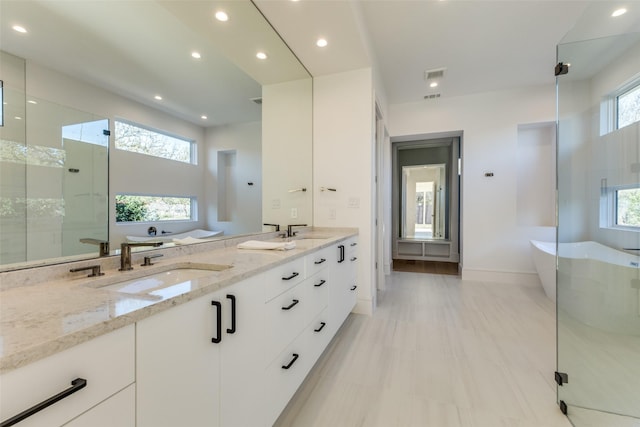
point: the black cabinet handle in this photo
(218, 338)
(354, 258)
(353, 244)
(322, 325)
(290, 364)
(291, 277)
(340, 253)
(320, 262)
(76, 385)
(290, 306)
(232, 329)
(322, 282)
(353, 288)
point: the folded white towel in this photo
(258, 244)
(187, 241)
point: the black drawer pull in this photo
(353, 244)
(290, 364)
(218, 338)
(354, 258)
(76, 385)
(290, 306)
(322, 325)
(340, 254)
(353, 288)
(291, 277)
(322, 282)
(232, 329)
(320, 262)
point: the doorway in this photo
(426, 201)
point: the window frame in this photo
(193, 145)
(609, 208)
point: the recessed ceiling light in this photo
(158, 97)
(433, 84)
(19, 28)
(321, 43)
(619, 12)
(196, 55)
(261, 55)
(203, 117)
(31, 101)
(222, 16)
(18, 118)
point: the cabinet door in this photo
(242, 355)
(342, 284)
(177, 365)
(118, 410)
(106, 363)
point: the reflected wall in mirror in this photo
(170, 67)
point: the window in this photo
(139, 139)
(136, 208)
(628, 106)
(627, 205)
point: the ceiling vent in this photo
(432, 96)
(257, 100)
(436, 74)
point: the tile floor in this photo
(438, 352)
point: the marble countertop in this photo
(41, 319)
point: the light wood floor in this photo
(438, 352)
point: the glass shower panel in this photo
(13, 161)
(598, 274)
(66, 180)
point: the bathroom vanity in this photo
(225, 346)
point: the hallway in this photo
(438, 352)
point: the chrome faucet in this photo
(291, 233)
(125, 253)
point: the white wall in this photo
(343, 144)
(494, 246)
(245, 141)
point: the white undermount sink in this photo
(175, 280)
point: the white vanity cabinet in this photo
(343, 275)
(100, 370)
(200, 364)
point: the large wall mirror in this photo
(80, 77)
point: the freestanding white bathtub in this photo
(596, 284)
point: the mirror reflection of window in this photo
(423, 203)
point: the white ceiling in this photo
(485, 45)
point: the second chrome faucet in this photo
(125, 253)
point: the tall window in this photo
(143, 140)
(628, 106)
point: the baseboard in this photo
(363, 306)
(515, 277)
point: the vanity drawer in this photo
(283, 277)
(106, 363)
(285, 374)
(318, 285)
(285, 317)
(318, 261)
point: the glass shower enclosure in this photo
(598, 262)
